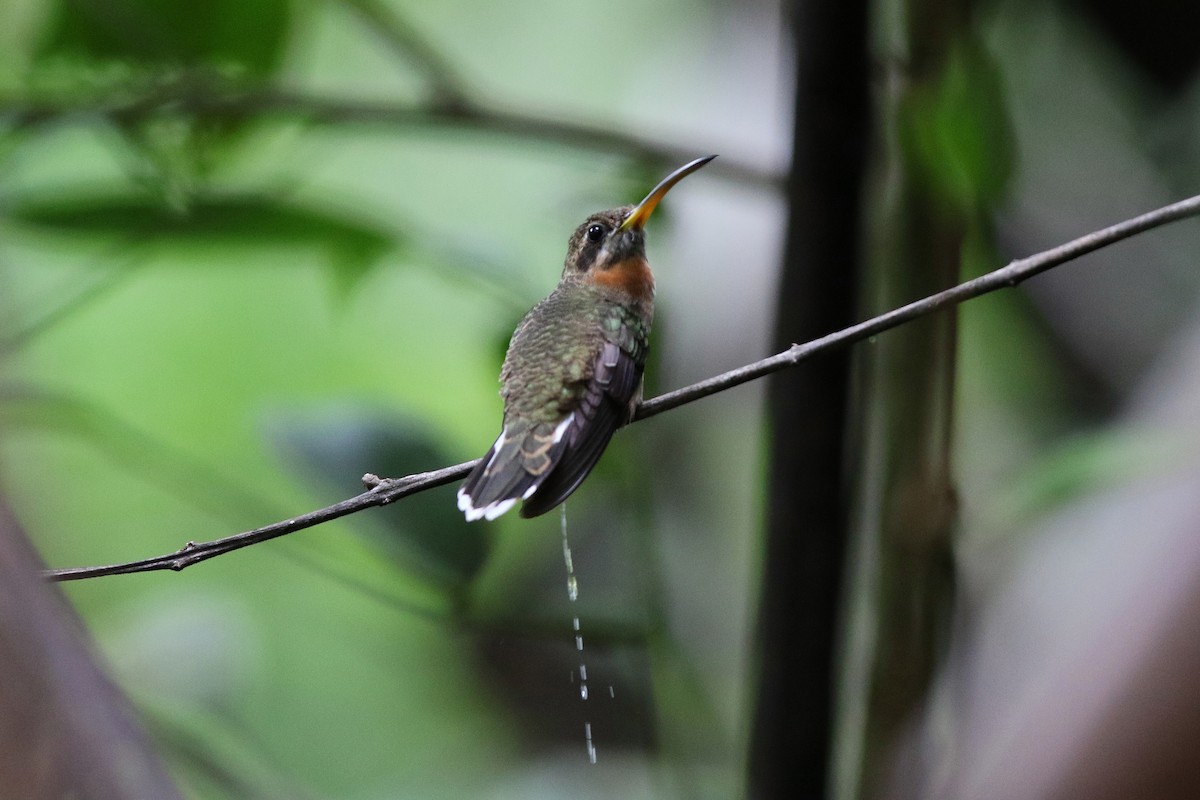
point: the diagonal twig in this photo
(388, 490)
(223, 102)
(1011, 275)
(449, 89)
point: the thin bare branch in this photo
(209, 101)
(382, 492)
(388, 490)
(1008, 276)
(448, 88)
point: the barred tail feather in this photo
(512, 470)
(606, 405)
(587, 443)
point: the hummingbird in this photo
(573, 371)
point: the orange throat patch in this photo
(631, 276)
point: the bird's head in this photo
(609, 248)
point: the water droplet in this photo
(573, 595)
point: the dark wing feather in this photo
(605, 406)
(513, 467)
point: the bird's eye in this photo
(595, 233)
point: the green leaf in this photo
(956, 131)
(238, 220)
(247, 34)
(1091, 463)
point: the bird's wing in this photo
(605, 405)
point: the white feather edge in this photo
(493, 510)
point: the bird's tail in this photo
(512, 470)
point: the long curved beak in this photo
(642, 211)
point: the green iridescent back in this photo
(552, 353)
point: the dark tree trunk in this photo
(790, 740)
(65, 729)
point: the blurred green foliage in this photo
(249, 35)
(956, 130)
(220, 313)
(248, 253)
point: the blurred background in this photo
(252, 250)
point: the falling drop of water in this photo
(573, 596)
(567, 552)
(591, 748)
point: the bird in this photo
(573, 371)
